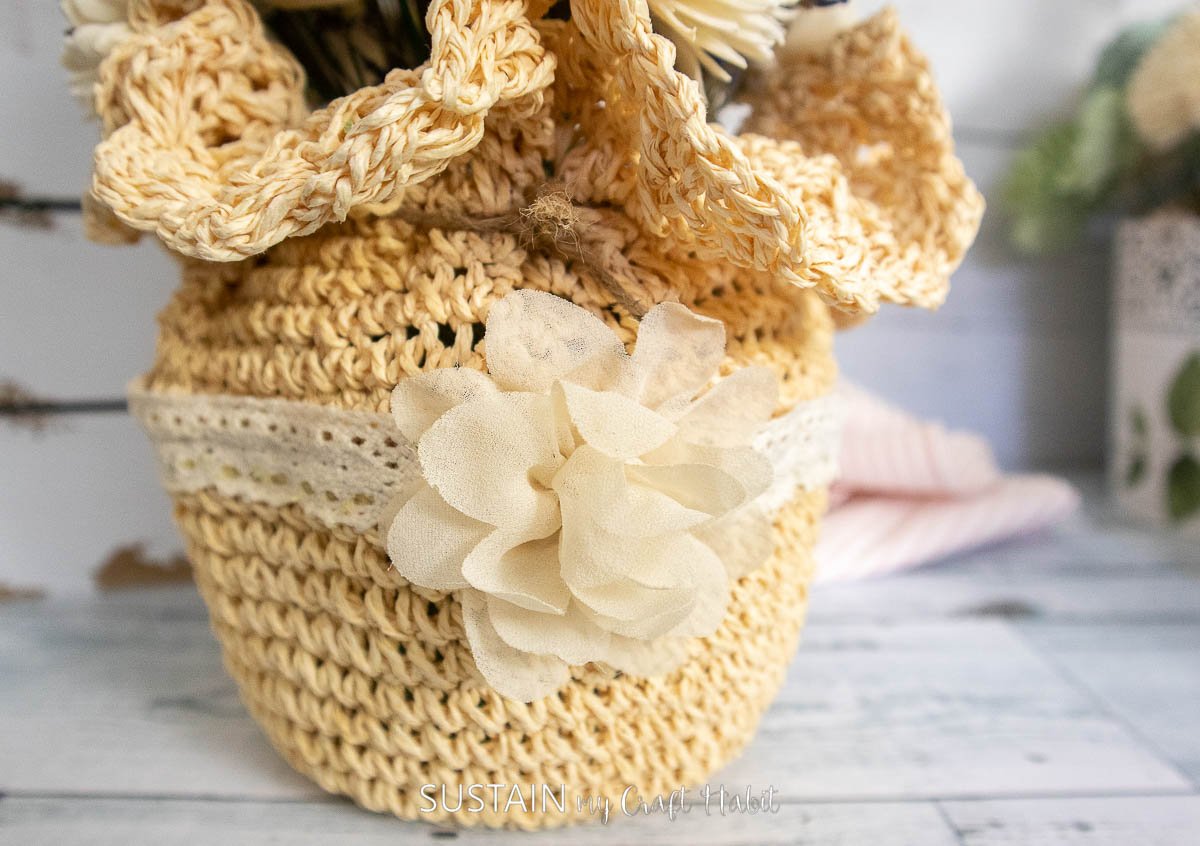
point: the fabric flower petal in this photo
(535, 339)
(663, 611)
(631, 610)
(480, 455)
(747, 465)
(564, 429)
(711, 595)
(676, 355)
(646, 657)
(743, 539)
(524, 574)
(596, 490)
(428, 541)
(571, 636)
(586, 504)
(732, 412)
(593, 558)
(697, 487)
(420, 400)
(628, 598)
(408, 489)
(518, 675)
(658, 566)
(615, 425)
(751, 468)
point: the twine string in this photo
(553, 222)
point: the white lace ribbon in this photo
(346, 467)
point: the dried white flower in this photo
(97, 27)
(813, 28)
(708, 32)
(589, 505)
(1163, 97)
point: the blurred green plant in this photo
(1135, 472)
(1183, 410)
(1183, 488)
(1095, 161)
(1183, 400)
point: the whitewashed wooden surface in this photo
(1040, 693)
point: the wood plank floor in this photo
(1042, 692)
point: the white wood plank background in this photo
(994, 713)
(72, 494)
(916, 710)
(1141, 821)
(1148, 677)
(77, 318)
(50, 822)
(44, 146)
(912, 705)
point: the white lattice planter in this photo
(1154, 461)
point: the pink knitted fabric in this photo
(911, 492)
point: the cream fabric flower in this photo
(736, 32)
(589, 505)
(97, 27)
(1163, 97)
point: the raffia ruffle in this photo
(209, 144)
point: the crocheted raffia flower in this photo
(1163, 97)
(590, 505)
(97, 27)
(708, 32)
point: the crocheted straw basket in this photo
(331, 256)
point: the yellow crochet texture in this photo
(314, 274)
